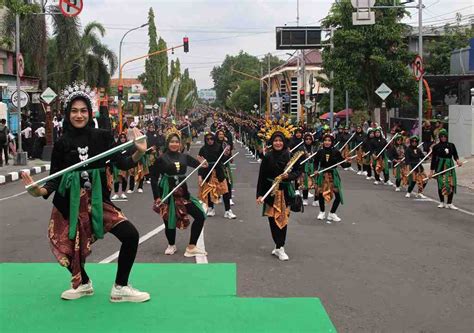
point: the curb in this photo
(14, 176)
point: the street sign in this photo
(418, 68)
(308, 104)
(255, 106)
(71, 8)
(275, 106)
(383, 91)
(20, 62)
(24, 98)
(364, 4)
(48, 95)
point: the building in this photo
(284, 81)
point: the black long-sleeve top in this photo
(359, 137)
(443, 150)
(327, 157)
(211, 154)
(396, 152)
(377, 144)
(274, 164)
(175, 165)
(413, 156)
(65, 153)
(367, 145)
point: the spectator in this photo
(40, 141)
(4, 131)
(427, 136)
(27, 134)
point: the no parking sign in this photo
(71, 8)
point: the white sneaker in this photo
(82, 290)
(232, 202)
(321, 216)
(229, 215)
(347, 169)
(194, 252)
(170, 250)
(441, 205)
(310, 195)
(129, 191)
(140, 190)
(315, 204)
(364, 173)
(376, 182)
(359, 173)
(281, 254)
(148, 182)
(305, 202)
(407, 195)
(397, 189)
(389, 183)
(368, 178)
(372, 178)
(211, 212)
(421, 196)
(451, 206)
(114, 197)
(334, 217)
(127, 294)
(123, 196)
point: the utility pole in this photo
(331, 76)
(260, 91)
(347, 107)
(268, 90)
(420, 51)
(21, 156)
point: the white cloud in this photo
(216, 28)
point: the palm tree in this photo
(98, 62)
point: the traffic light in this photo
(302, 97)
(186, 44)
(120, 92)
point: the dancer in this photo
(82, 210)
(277, 206)
(225, 141)
(120, 176)
(413, 157)
(400, 170)
(329, 182)
(380, 163)
(367, 156)
(306, 181)
(172, 166)
(359, 138)
(216, 184)
(443, 155)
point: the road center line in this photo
(13, 196)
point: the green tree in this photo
(151, 77)
(164, 82)
(245, 96)
(438, 60)
(365, 56)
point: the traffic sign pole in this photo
(20, 158)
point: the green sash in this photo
(337, 181)
(443, 180)
(308, 170)
(72, 181)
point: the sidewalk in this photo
(10, 173)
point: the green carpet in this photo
(184, 298)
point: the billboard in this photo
(134, 98)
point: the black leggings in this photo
(196, 228)
(132, 183)
(368, 169)
(124, 185)
(225, 197)
(412, 186)
(450, 197)
(229, 186)
(278, 235)
(335, 204)
(154, 186)
(386, 177)
(128, 235)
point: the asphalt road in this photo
(392, 265)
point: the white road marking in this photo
(13, 196)
(142, 239)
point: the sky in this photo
(219, 27)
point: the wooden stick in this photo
(181, 183)
(299, 144)
(332, 166)
(448, 169)
(88, 161)
(213, 167)
(347, 141)
(355, 148)
(310, 156)
(386, 145)
(237, 153)
(424, 158)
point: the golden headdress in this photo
(271, 127)
(172, 130)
